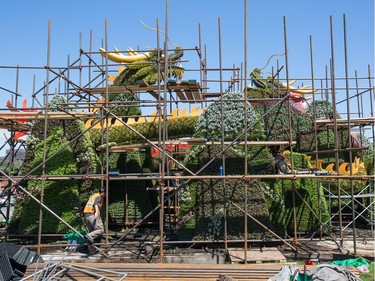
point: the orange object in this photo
(318, 166)
(19, 135)
(329, 167)
(12, 109)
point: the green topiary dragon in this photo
(142, 68)
(270, 87)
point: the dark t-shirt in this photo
(97, 201)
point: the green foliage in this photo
(282, 218)
(133, 72)
(216, 223)
(276, 122)
(128, 198)
(87, 161)
(37, 130)
(177, 128)
(78, 157)
(258, 93)
(345, 184)
(270, 86)
(325, 139)
(113, 161)
(205, 200)
(116, 210)
(147, 70)
(187, 199)
(134, 210)
(368, 154)
(259, 160)
(368, 276)
(125, 104)
(55, 102)
(277, 128)
(214, 196)
(322, 109)
(358, 185)
(63, 206)
(276, 205)
(369, 164)
(299, 159)
(228, 116)
(62, 163)
(207, 195)
(60, 197)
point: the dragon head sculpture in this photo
(144, 66)
(271, 86)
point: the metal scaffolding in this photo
(89, 101)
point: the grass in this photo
(369, 276)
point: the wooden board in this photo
(256, 255)
(167, 272)
(194, 87)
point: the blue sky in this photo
(24, 29)
(24, 24)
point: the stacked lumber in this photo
(163, 272)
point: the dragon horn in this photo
(132, 52)
(120, 58)
(290, 84)
(153, 28)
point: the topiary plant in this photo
(231, 111)
(60, 196)
(306, 220)
(76, 157)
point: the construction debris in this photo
(56, 271)
(14, 260)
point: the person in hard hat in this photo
(92, 218)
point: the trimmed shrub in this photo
(299, 160)
(77, 157)
(231, 111)
(60, 197)
(276, 121)
(282, 218)
(259, 160)
(211, 198)
(124, 104)
(128, 199)
(177, 128)
(345, 184)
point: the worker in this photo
(92, 218)
(280, 162)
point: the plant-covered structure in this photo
(231, 112)
(67, 155)
(233, 177)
